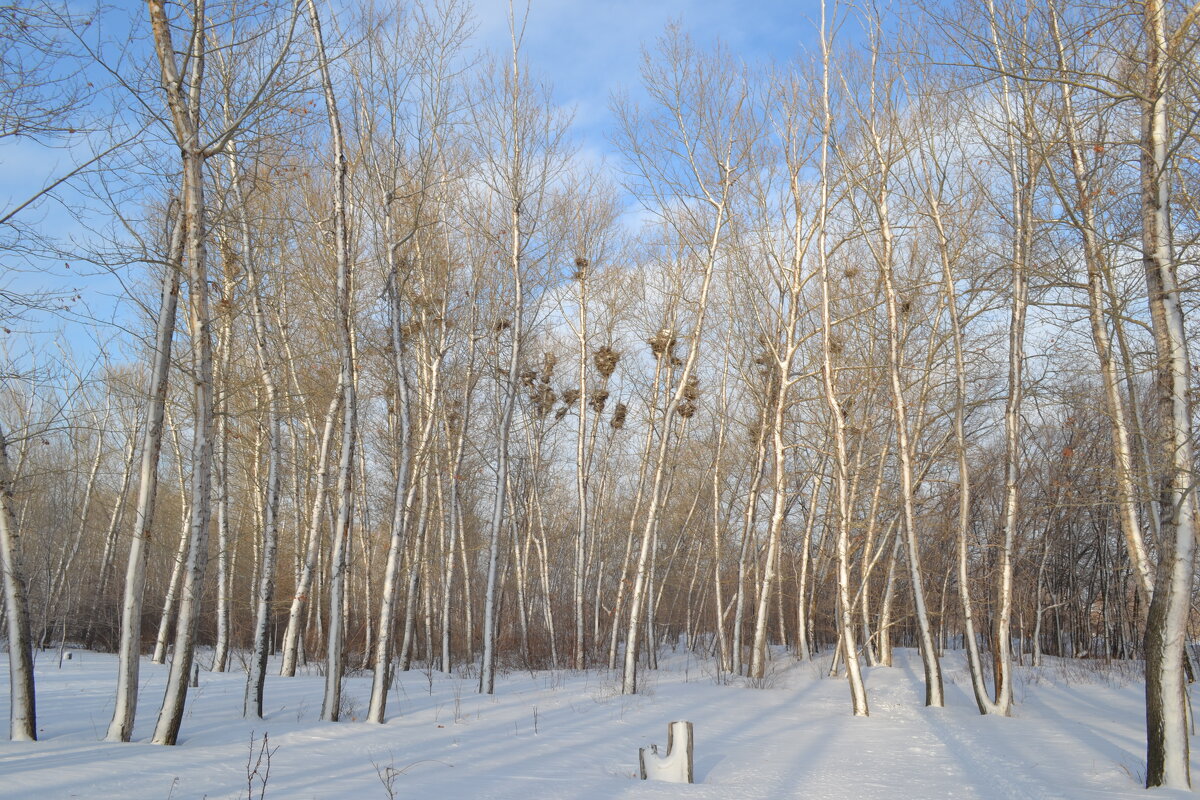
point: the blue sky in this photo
(585, 49)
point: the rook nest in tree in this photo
(661, 343)
(618, 418)
(543, 398)
(691, 393)
(605, 359)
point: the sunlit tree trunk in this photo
(1167, 759)
(1021, 224)
(183, 101)
(22, 714)
(896, 369)
(845, 610)
(129, 650)
(334, 657)
(1080, 209)
(256, 675)
(308, 568)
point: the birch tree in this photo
(884, 134)
(183, 85)
(22, 714)
(129, 652)
(841, 461)
(334, 661)
(183, 91)
(520, 153)
(703, 111)
(1167, 759)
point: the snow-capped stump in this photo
(676, 765)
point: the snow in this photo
(1077, 732)
(675, 763)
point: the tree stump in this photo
(676, 765)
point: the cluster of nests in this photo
(662, 344)
(543, 398)
(691, 394)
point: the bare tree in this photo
(129, 652)
(334, 662)
(22, 716)
(705, 115)
(1166, 624)
(841, 461)
(520, 152)
(183, 85)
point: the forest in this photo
(888, 345)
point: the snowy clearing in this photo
(1077, 732)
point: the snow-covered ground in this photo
(1077, 732)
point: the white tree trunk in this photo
(1081, 210)
(308, 568)
(221, 479)
(649, 532)
(858, 692)
(748, 543)
(929, 657)
(401, 499)
(256, 675)
(1168, 760)
(334, 660)
(578, 659)
(1022, 235)
(129, 652)
(183, 100)
(22, 714)
(455, 512)
(115, 518)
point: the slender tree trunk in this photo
(129, 651)
(300, 599)
(963, 521)
(1167, 756)
(858, 692)
(22, 714)
(723, 654)
(455, 512)
(334, 657)
(109, 558)
(929, 657)
(221, 479)
(162, 642)
(402, 499)
(779, 500)
(803, 631)
(1022, 232)
(1083, 216)
(637, 597)
(885, 607)
(631, 532)
(578, 658)
(748, 543)
(256, 675)
(183, 100)
(416, 560)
